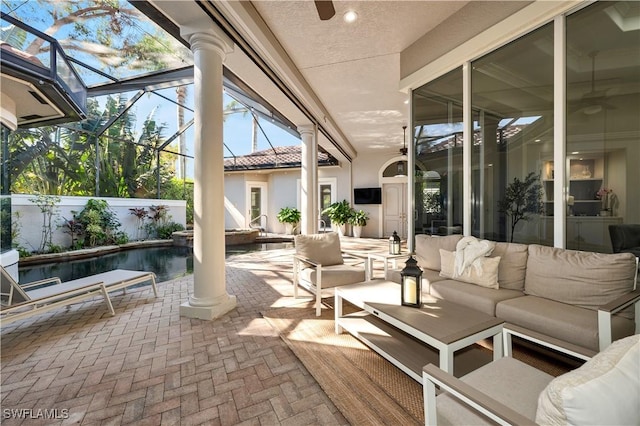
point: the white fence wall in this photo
(31, 219)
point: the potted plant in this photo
(358, 219)
(339, 214)
(290, 216)
(521, 198)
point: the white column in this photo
(308, 162)
(209, 299)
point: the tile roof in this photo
(456, 139)
(278, 158)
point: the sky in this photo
(237, 127)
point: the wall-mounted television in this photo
(367, 195)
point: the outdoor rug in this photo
(365, 387)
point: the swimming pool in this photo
(167, 262)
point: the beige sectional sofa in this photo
(566, 297)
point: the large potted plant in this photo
(339, 214)
(357, 220)
(521, 198)
(290, 216)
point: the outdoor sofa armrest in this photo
(544, 340)
(52, 280)
(46, 303)
(466, 394)
(621, 302)
(605, 312)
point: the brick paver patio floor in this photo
(148, 365)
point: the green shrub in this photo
(100, 223)
(164, 231)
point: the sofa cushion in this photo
(428, 249)
(565, 322)
(605, 390)
(321, 248)
(334, 275)
(580, 278)
(472, 296)
(513, 264)
(483, 271)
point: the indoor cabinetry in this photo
(586, 177)
(587, 223)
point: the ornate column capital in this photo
(205, 35)
(308, 129)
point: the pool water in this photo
(167, 262)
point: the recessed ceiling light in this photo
(575, 152)
(350, 16)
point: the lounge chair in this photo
(22, 301)
(318, 265)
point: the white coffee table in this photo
(401, 334)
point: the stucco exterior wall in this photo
(283, 190)
(234, 201)
(366, 174)
(283, 193)
(31, 220)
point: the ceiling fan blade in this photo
(325, 9)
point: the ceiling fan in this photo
(593, 101)
(325, 9)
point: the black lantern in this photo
(410, 287)
(394, 243)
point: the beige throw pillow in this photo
(321, 248)
(488, 277)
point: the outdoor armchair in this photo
(22, 301)
(604, 390)
(318, 265)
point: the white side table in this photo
(385, 258)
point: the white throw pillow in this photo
(603, 391)
(483, 271)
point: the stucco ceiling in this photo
(354, 69)
(346, 74)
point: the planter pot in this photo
(357, 231)
(288, 228)
(341, 229)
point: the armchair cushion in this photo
(334, 275)
(605, 390)
(320, 248)
(507, 380)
